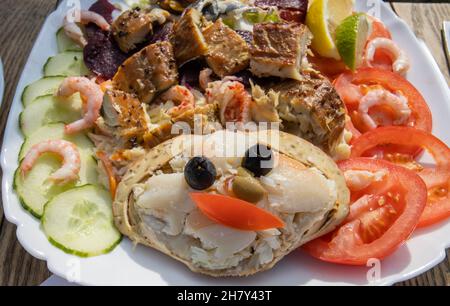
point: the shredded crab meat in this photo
(234, 101)
(359, 179)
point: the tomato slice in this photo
(352, 87)
(382, 59)
(421, 117)
(437, 179)
(329, 67)
(235, 213)
(382, 216)
(378, 29)
(349, 92)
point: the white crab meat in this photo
(293, 188)
(167, 204)
(359, 179)
(225, 241)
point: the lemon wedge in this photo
(323, 17)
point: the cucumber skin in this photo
(44, 69)
(21, 130)
(82, 254)
(25, 140)
(21, 200)
(21, 122)
(75, 252)
(26, 87)
(19, 160)
(45, 65)
(58, 34)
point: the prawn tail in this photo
(76, 127)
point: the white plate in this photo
(143, 266)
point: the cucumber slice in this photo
(56, 131)
(80, 222)
(34, 190)
(69, 63)
(65, 43)
(49, 109)
(43, 87)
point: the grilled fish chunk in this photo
(228, 52)
(279, 49)
(311, 109)
(135, 26)
(151, 70)
(204, 117)
(125, 114)
(187, 38)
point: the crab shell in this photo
(128, 221)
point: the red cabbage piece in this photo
(246, 35)
(290, 10)
(104, 8)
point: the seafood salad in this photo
(227, 134)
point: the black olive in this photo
(200, 173)
(258, 160)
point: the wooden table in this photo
(21, 22)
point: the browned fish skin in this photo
(316, 99)
(278, 49)
(148, 72)
(228, 52)
(126, 114)
(187, 38)
(132, 28)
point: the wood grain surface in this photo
(21, 22)
(426, 21)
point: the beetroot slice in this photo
(104, 8)
(101, 55)
(293, 15)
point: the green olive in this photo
(244, 172)
(248, 189)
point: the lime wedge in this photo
(351, 37)
(322, 19)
